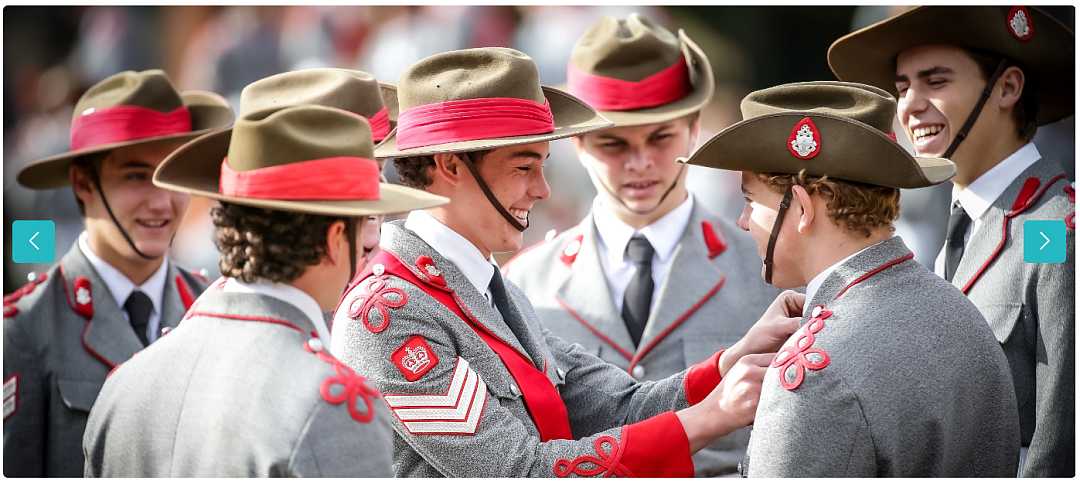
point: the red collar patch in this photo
(84, 304)
(414, 358)
(429, 271)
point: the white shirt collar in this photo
(289, 294)
(454, 247)
(981, 194)
(663, 234)
(119, 285)
(815, 283)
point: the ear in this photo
(81, 185)
(449, 168)
(336, 245)
(806, 206)
(1012, 86)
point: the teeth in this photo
(160, 223)
(640, 185)
(521, 214)
(927, 131)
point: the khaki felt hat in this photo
(481, 99)
(307, 158)
(828, 128)
(636, 72)
(126, 109)
(1042, 46)
(354, 91)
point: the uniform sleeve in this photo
(1051, 453)
(599, 395)
(444, 410)
(24, 401)
(334, 445)
(816, 430)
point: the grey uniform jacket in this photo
(894, 373)
(242, 388)
(62, 336)
(712, 295)
(457, 410)
(1031, 309)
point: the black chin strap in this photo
(490, 196)
(784, 204)
(671, 188)
(97, 184)
(960, 135)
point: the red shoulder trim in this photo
(352, 387)
(185, 292)
(244, 318)
(875, 271)
(714, 239)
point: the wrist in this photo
(729, 358)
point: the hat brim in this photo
(195, 168)
(869, 55)
(572, 117)
(209, 112)
(759, 145)
(703, 86)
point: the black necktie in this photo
(138, 307)
(954, 239)
(638, 298)
(502, 301)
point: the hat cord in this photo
(97, 183)
(962, 134)
(785, 203)
(487, 191)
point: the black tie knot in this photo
(139, 307)
(640, 251)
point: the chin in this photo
(153, 249)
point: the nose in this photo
(911, 103)
(744, 218)
(160, 199)
(538, 188)
(641, 158)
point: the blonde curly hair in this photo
(857, 207)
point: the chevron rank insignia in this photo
(11, 396)
(455, 412)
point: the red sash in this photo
(541, 397)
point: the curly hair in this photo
(268, 245)
(413, 170)
(857, 207)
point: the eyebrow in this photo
(927, 73)
(529, 154)
(135, 164)
(744, 190)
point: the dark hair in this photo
(91, 165)
(1026, 110)
(690, 119)
(857, 207)
(269, 245)
(413, 170)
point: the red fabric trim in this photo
(237, 317)
(1005, 227)
(607, 463)
(715, 243)
(571, 250)
(610, 94)
(340, 178)
(374, 297)
(1069, 222)
(185, 293)
(429, 272)
(91, 350)
(1069, 190)
(10, 311)
(86, 309)
(625, 353)
(67, 294)
(875, 271)
(794, 133)
(642, 352)
(1030, 22)
(353, 387)
(541, 397)
(126, 123)
(410, 351)
(796, 355)
(657, 447)
(1029, 188)
(471, 120)
(380, 125)
(702, 378)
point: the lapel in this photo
(586, 294)
(107, 335)
(408, 247)
(859, 269)
(692, 277)
(172, 307)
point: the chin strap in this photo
(962, 134)
(490, 196)
(97, 184)
(785, 203)
(658, 204)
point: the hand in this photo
(774, 327)
(730, 406)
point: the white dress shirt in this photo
(457, 249)
(121, 287)
(816, 282)
(615, 235)
(981, 194)
(288, 294)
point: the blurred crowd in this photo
(52, 54)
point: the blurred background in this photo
(53, 54)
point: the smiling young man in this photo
(476, 385)
(115, 291)
(857, 391)
(974, 83)
(650, 280)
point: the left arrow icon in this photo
(32, 241)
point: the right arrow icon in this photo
(1044, 243)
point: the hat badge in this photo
(1020, 23)
(805, 141)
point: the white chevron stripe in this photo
(450, 399)
(457, 412)
(467, 427)
(11, 386)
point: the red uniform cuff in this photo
(657, 447)
(702, 378)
